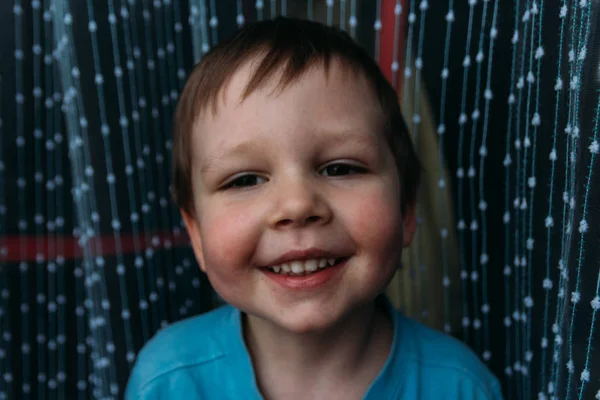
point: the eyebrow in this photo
(349, 136)
(236, 151)
(327, 137)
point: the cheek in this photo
(375, 222)
(230, 237)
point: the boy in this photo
(296, 179)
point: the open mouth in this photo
(305, 267)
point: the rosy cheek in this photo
(374, 225)
(229, 237)
(376, 216)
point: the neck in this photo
(355, 348)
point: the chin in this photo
(309, 324)
(295, 320)
(307, 319)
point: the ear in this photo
(193, 230)
(409, 224)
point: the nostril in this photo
(307, 221)
(312, 218)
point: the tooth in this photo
(297, 267)
(276, 269)
(322, 263)
(311, 265)
(285, 268)
(331, 261)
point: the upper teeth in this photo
(300, 267)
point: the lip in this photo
(302, 255)
(306, 282)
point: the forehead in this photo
(259, 73)
(321, 97)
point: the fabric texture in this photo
(205, 357)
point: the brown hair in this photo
(292, 46)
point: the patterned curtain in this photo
(503, 102)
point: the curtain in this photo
(502, 100)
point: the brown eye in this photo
(340, 169)
(245, 181)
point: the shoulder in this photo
(184, 344)
(449, 361)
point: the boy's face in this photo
(302, 173)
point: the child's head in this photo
(289, 150)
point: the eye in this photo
(244, 181)
(342, 169)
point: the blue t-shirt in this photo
(205, 357)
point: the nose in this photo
(300, 203)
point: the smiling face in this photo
(299, 174)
